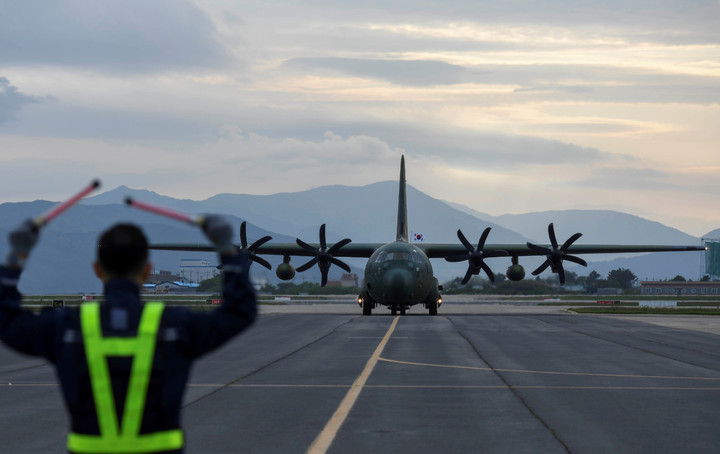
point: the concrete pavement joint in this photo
(515, 393)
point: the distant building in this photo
(158, 276)
(679, 288)
(170, 287)
(346, 280)
(197, 270)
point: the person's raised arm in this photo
(21, 329)
(208, 331)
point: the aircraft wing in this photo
(325, 254)
(433, 250)
(291, 249)
(523, 250)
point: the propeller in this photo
(476, 256)
(323, 256)
(556, 255)
(253, 247)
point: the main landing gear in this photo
(366, 307)
(432, 307)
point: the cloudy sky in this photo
(506, 107)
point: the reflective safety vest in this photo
(124, 437)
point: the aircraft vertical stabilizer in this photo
(402, 228)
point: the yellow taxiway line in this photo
(324, 440)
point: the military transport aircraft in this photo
(399, 274)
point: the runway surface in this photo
(491, 380)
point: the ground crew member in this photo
(123, 365)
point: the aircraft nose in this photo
(399, 285)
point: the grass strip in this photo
(645, 310)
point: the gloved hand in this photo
(219, 232)
(22, 239)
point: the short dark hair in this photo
(122, 250)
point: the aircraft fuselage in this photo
(399, 275)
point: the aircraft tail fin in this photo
(402, 229)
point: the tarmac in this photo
(491, 378)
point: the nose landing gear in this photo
(394, 309)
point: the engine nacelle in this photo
(285, 271)
(515, 272)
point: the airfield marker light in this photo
(42, 220)
(182, 217)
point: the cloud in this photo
(123, 36)
(402, 72)
(93, 122)
(250, 152)
(607, 81)
(628, 178)
(237, 162)
(482, 150)
(11, 100)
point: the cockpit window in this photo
(399, 256)
(411, 258)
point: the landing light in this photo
(360, 300)
(439, 301)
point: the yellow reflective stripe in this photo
(98, 368)
(141, 368)
(124, 437)
(154, 442)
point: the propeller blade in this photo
(483, 237)
(341, 264)
(561, 273)
(323, 244)
(551, 233)
(570, 241)
(464, 241)
(577, 260)
(259, 242)
(468, 275)
(335, 247)
(307, 266)
(260, 261)
(243, 236)
(324, 268)
(489, 272)
(305, 246)
(541, 268)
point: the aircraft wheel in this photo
(393, 310)
(432, 308)
(402, 309)
(367, 307)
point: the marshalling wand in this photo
(182, 217)
(42, 220)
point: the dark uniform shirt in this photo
(183, 336)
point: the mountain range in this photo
(61, 261)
